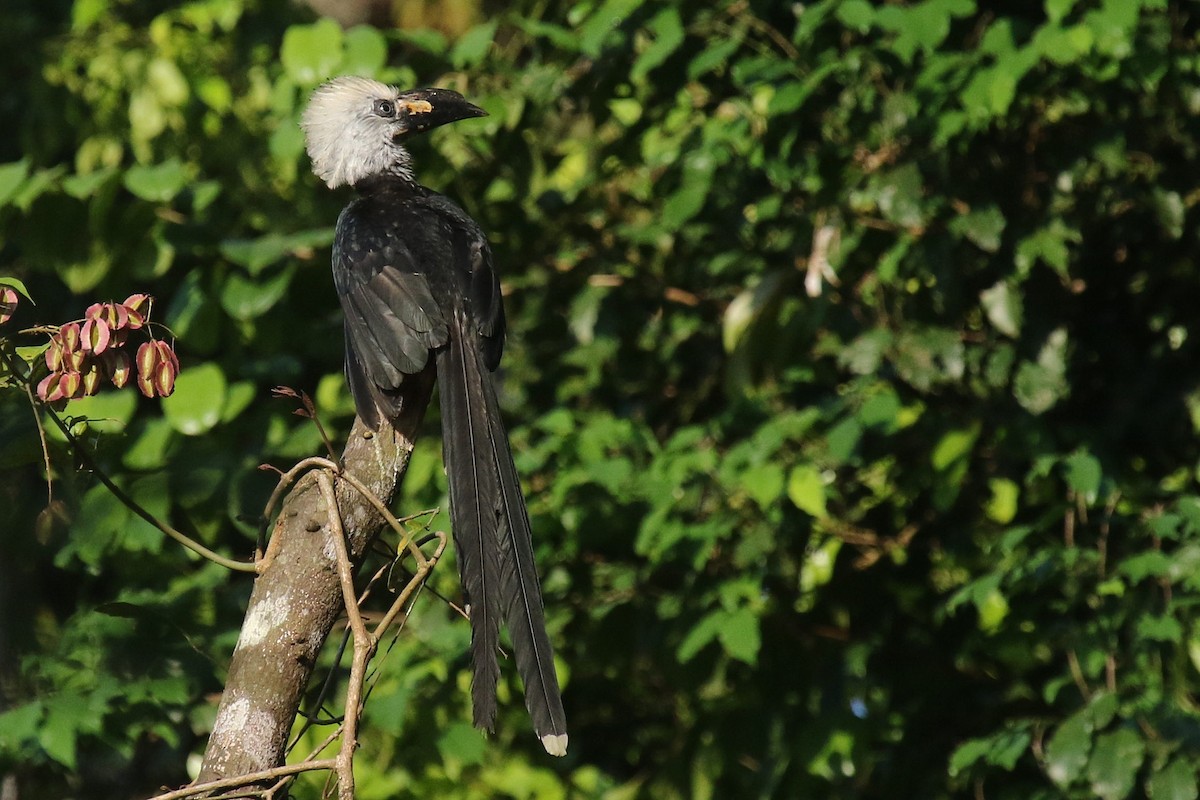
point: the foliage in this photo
(852, 374)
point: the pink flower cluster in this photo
(83, 354)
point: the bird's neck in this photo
(390, 182)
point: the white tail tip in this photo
(556, 745)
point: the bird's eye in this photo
(385, 108)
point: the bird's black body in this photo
(415, 278)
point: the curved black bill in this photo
(424, 109)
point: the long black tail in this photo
(491, 533)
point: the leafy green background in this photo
(912, 513)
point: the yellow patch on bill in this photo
(418, 106)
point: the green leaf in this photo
(462, 743)
(1039, 387)
(967, 754)
(857, 14)
(245, 298)
(1068, 750)
(701, 634)
(764, 483)
(881, 410)
(817, 570)
(993, 610)
(1083, 474)
(199, 396)
(602, 22)
(1050, 245)
(713, 56)
(1112, 769)
(193, 315)
(793, 94)
(60, 730)
(82, 187)
(158, 183)
(365, 52)
(427, 39)
(258, 254)
(983, 227)
(473, 46)
(1004, 308)
(1057, 9)
(1177, 781)
(101, 519)
(1160, 628)
(1002, 749)
(739, 635)
(842, 440)
(149, 449)
(954, 446)
(686, 201)
(107, 412)
(1147, 564)
(667, 30)
(12, 175)
(19, 725)
(311, 52)
(806, 490)
(1002, 506)
(6, 280)
(899, 195)
(241, 395)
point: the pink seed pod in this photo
(147, 359)
(167, 353)
(96, 335)
(71, 384)
(119, 366)
(137, 309)
(49, 389)
(115, 314)
(54, 354)
(71, 335)
(164, 379)
(145, 384)
(93, 376)
(94, 311)
(8, 303)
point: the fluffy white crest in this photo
(346, 140)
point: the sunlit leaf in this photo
(310, 52)
(1112, 768)
(199, 396)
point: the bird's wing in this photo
(477, 276)
(392, 320)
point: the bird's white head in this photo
(353, 127)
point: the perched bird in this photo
(420, 295)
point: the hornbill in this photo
(420, 297)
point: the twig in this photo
(364, 643)
(1077, 675)
(1069, 520)
(417, 580)
(308, 410)
(286, 770)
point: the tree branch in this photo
(298, 596)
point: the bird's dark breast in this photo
(408, 267)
